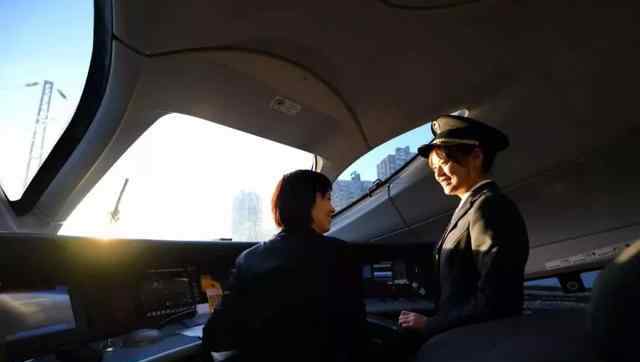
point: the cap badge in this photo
(435, 126)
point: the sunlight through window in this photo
(187, 178)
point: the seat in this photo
(615, 308)
(606, 331)
(557, 335)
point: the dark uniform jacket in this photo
(297, 297)
(480, 261)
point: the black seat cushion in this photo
(559, 335)
(615, 308)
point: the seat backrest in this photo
(614, 312)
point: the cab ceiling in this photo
(550, 72)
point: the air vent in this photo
(426, 4)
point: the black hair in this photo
(460, 152)
(295, 196)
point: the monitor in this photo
(34, 313)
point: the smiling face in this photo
(456, 176)
(321, 213)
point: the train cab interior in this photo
(141, 142)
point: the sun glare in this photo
(188, 179)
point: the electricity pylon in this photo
(36, 151)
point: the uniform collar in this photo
(297, 231)
(475, 187)
(465, 204)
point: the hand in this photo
(411, 320)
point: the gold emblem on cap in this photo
(435, 126)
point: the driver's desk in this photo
(177, 341)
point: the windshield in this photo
(187, 178)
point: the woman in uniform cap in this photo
(480, 259)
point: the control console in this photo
(393, 285)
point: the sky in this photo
(183, 172)
(366, 165)
(40, 39)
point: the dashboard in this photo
(35, 321)
(138, 299)
(396, 278)
(59, 294)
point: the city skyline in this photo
(366, 164)
(346, 191)
(247, 220)
(390, 164)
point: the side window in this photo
(378, 164)
(545, 294)
(550, 293)
(546, 285)
(589, 278)
(554, 283)
(46, 51)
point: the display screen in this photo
(396, 278)
(386, 272)
(34, 313)
(167, 292)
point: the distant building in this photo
(246, 218)
(393, 162)
(345, 191)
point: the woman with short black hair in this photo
(297, 296)
(302, 199)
